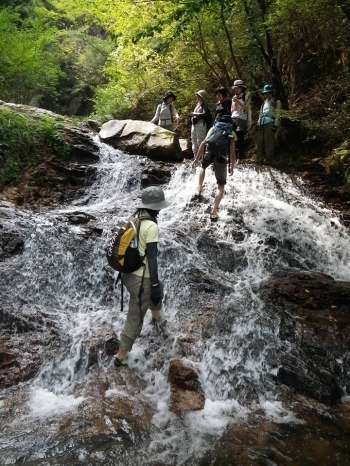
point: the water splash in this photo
(267, 223)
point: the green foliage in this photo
(28, 68)
(23, 142)
(121, 55)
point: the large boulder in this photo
(142, 138)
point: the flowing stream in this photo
(63, 274)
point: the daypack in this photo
(122, 252)
(219, 140)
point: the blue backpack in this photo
(218, 141)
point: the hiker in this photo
(143, 285)
(199, 127)
(219, 157)
(166, 112)
(241, 114)
(267, 124)
(224, 103)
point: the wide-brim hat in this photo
(153, 198)
(202, 94)
(169, 94)
(238, 83)
(267, 89)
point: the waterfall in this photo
(267, 223)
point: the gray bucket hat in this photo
(153, 198)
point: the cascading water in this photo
(267, 223)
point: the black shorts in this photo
(220, 169)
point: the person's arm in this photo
(175, 114)
(277, 116)
(155, 119)
(249, 116)
(152, 255)
(152, 259)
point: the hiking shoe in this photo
(120, 362)
(215, 216)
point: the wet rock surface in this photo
(314, 320)
(329, 188)
(26, 340)
(187, 393)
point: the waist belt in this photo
(164, 121)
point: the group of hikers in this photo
(221, 144)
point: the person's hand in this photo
(156, 294)
(274, 128)
(194, 163)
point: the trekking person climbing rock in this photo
(200, 120)
(144, 286)
(166, 113)
(241, 114)
(267, 124)
(218, 148)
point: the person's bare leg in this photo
(217, 200)
(201, 177)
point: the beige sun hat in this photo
(202, 94)
(238, 83)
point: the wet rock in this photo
(186, 400)
(112, 344)
(57, 179)
(314, 319)
(10, 242)
(142, 138)
(217, 252)
(186, 148)
(187, 394)
(6, 358)
(156, 174)
(79, 218)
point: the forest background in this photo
(115, 59)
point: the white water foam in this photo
(278, 226)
